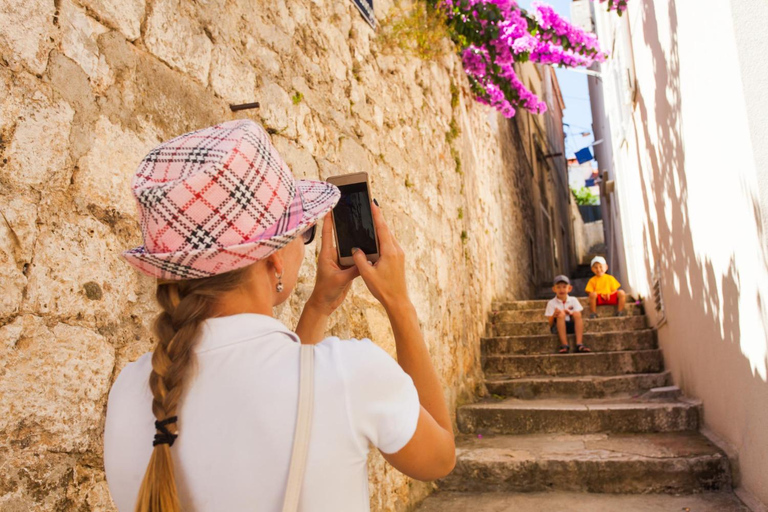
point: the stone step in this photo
(532, 344)
(579, 416)
(536, 314)
(554, 365)
(590, 386)
(580, 502)
(671, 463)
(538, 304)
(629, 323)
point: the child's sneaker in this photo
(621, 313)
(592, 316)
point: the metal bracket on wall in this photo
(244, 106)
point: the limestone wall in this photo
(88, 86)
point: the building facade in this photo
(551, 242)
(682, 109)
(87, 88)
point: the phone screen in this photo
(354, 220)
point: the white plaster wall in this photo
(691, 182)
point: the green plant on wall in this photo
(418, 29)
(585, 197)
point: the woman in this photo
(224, 226)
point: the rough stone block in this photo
(78, 42)
(298, 159)
(353, 157)
(44, 372)
(27, 29)
(18, 231)
(74, 256)
(124, 15)
(173, 35)
(231, 78)
(105, 172)
(276, 105)
(148, 92)
(38, 154)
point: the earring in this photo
(279, 286)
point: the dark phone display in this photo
(354, 220)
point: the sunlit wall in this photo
(685, 97)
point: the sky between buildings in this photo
(573, 85)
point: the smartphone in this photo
(353, 218)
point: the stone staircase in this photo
(601, 431)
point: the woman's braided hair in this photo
(185, 305)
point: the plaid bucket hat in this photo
(219, 199)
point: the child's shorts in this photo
(613, 299)
(570, 327)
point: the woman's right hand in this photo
(385, 278)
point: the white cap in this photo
(597, 259)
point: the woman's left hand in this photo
(333, 281)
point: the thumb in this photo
(361, 262)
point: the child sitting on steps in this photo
(603, 289)
(564, 315)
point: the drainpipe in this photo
(603, 154)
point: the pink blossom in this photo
(496, 34)
(475, 61)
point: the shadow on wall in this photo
(703, 338)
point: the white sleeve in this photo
(383, 402)
(550, 309)
(576, 305)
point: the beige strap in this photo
(303, 429)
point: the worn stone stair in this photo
(532, 344)
(580, 502)
(591, 432)
(675, 463)
(628, 323)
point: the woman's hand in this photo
(386, 278)
(332, 282)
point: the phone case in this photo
(348, 179)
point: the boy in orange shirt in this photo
(603, 289)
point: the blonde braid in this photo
(185, 306)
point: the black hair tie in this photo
(165, 436)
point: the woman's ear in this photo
(275, 261)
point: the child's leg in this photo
(593, 303)
(578, 325)
(561, 334)
(622, 299)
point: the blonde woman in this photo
(208, 420)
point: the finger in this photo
(382, 230)
(361, 263)
(349, 273)
(326, 244)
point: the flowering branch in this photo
(493, 35)
(616, 5)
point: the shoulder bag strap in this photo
(303, 428)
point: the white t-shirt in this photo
(571, 305)
(238, 414)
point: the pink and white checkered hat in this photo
(219, 199)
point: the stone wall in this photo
(88, 86)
